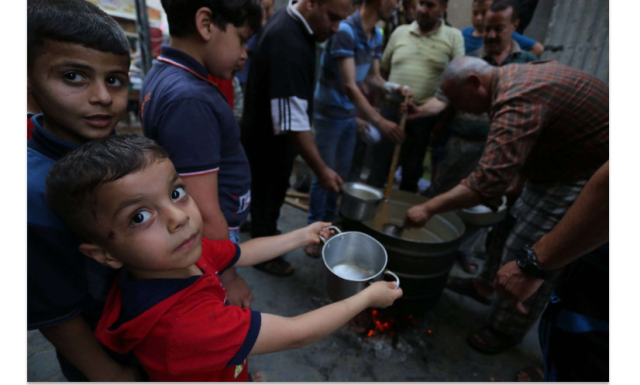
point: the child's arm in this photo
(260, 250)
(281, 333)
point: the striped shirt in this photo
(418, 60)
(549, 123)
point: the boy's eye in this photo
(113, 81)
(74, 77)
(178, 193)
(140, 217)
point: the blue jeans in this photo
(336, 141)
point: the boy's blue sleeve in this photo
(56, 278)
(189, 130)
(342, 43)
(526, 43)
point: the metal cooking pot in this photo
(353, 260)
(359, 201)
(482, 216)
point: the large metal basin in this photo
(422, 258)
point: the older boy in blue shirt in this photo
(189, 117)
(77, 72)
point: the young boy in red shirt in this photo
(124, 197)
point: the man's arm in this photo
(329, 179)
(457, 198)
(433, 106)
(204, 191)
(583, 228)
(74, 339)
(347, 68)
(537, 49)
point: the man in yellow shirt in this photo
(416, 55)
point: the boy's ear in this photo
(204, 24)
(100, 255)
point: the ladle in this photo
(393, 230)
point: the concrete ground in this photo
(441, 355)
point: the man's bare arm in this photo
(584, 227)
(459, 197)
(347, 69)
(306, 146)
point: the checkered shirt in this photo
(549, 123)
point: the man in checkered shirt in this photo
(549, 128)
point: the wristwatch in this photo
(527, 261)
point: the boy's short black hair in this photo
(181, 14)
(501, 5)
(73, 180)
(72, 21)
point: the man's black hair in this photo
(181, 14)
(73, 180)
(72, 21)
(501, 5)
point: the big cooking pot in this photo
(353, 260)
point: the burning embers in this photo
(372, 322)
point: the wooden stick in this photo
(396, 156)
(295, 203)
(296, 194)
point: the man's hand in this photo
(330, 180)
(513, 285)
(417, 216)
(238, 292)
(412, 110)
(405, 91)
(362, 127)
(391, 130)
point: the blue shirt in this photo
(191, 119)
(61, 282)
(330, 97)
(473, 43)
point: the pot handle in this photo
(394, 276)
(329, 228)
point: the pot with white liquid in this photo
(353, 260)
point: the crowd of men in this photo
(499, 123)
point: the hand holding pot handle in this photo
(391, 273)
(329, 228)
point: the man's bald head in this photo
(466, 82)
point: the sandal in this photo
(465, 264)
(277, 266)
(530, 374)
(313, 251)
(465, 287)
(489, 341)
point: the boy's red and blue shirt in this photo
(183, 329)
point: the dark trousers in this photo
(412, 154)
(271, 162)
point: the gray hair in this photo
(459, 70)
